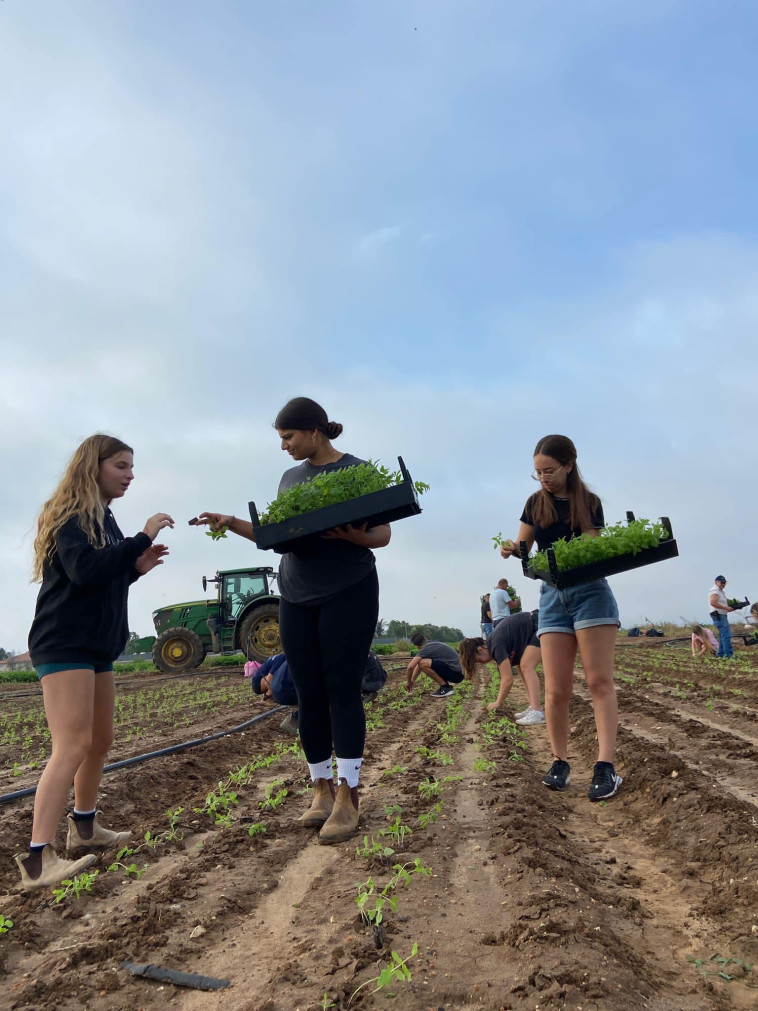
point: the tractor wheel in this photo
(259, 633)
(178, 649)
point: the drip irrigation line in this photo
(172, 750)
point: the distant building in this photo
(22, 661)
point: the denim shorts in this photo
(577, 607)
(98, 667)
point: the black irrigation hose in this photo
(173, 750)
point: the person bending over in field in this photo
(439, 661)
(514, 643)
(86, 567)
(584, 617)
(273, 681)
(703, 641)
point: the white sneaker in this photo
(517, 716)
(530, 719)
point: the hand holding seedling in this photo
(157, 523)
(150, 558)
(218, 523)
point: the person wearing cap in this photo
(719, 610)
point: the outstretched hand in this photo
(157, 523)
(151, 557)
(214, 520)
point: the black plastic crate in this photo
(378, 507)
(599, 570)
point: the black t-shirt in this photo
(316, 568)
(486, 611)
(545, 536)
(511, 637)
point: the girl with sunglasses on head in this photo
(583, 618)
(86, 566)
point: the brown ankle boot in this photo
(321, 805)
(99, 839)
(54, 869)
(343, 822)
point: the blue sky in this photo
(458, 225)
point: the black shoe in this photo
(605, 781)
(443, 692)
(558, 776)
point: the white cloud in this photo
(377, 239)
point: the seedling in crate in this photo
(75, 886)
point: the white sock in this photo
(349, 769)
(321, 770)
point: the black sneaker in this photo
(605, 781)
(558, 776)
(443, 692)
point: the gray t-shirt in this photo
(441, 651)
(317, 568)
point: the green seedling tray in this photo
(386, 506)
(562, 580)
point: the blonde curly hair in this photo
(77, 494)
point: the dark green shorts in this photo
(54, 668)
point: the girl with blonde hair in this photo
(86, 566)
(703, 641)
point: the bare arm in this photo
(506, 683)
(376, 537)
(713, 600)
(244, 528)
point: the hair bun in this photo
(333, 429)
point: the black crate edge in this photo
(377, 507)
(607, 566)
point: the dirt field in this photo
(516, 897)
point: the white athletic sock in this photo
(321, 770)
(349, 769)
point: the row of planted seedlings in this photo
(25, 739)
(384, 852)
(725, 684)
(218, 806)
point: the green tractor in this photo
(245, 616)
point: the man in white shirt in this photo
(501, 604)
(719, 610)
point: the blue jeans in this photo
(486, 630)
(724, 630)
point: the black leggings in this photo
(327, 646)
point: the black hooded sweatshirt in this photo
(81, 607)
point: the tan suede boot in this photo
(54, 869)
(321, 805)
(100, 838)
(343, 821)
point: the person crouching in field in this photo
(439, 661)
(513, 643)
(86, 567)
(703, 641)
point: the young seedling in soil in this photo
(128, 869)
(258, 828)
(396, 969)
(374, 850)
(273, 800)
(5, 924)
(75, 886)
